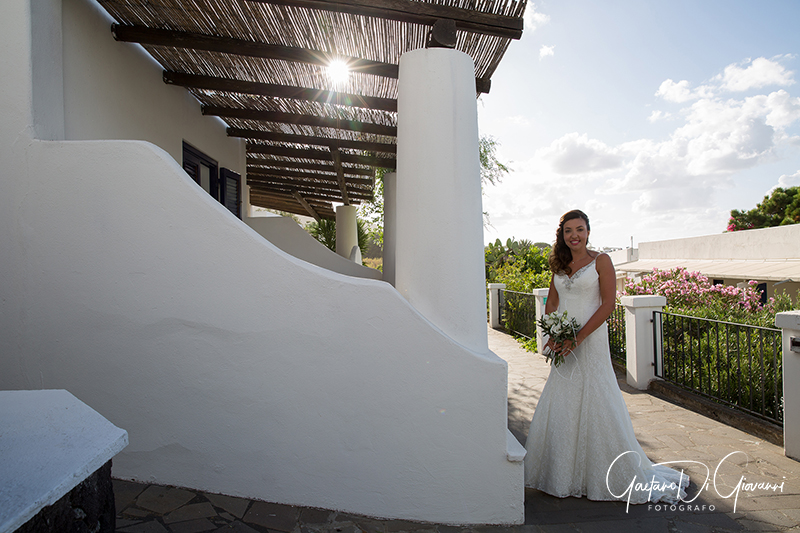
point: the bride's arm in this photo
(608, 280)
(549, 306)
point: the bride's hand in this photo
(567, 347)
(550, 345)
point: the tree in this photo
(521, 265)
(372, 212)
(492, 170)
(325, 232)
(780, 208)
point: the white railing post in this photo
(789, 322)
(639, 338)
(541, 299)
(494, 304)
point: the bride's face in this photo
(575, 234)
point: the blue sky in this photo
(656, 118)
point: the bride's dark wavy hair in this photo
(560, 254)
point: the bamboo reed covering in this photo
(322, 147)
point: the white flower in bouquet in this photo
(560, 328)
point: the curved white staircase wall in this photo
(284, 233)
(235, 367)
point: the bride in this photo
(581, 440)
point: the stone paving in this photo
(667, 433)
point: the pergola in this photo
(263, 67)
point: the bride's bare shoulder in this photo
(602, 261)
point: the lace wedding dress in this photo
(581, 424)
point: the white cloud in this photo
(789, 180)
(718, 138)
(577, 154)
(781, 109)
(758, 73)
(546, 51)
(675, 92)
(679, 92)
(519, 120)
(659, 187)
(673, 199)
(722, 137)
(657, 115)
(534, 19)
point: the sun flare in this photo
(338, 71)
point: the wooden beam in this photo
(306, 205)
(212, 83)
(279, 163)
(312, 140)
(310, 185)
(418, 13)
(286, 202)
(298, 119)
(381, 162)
(310, 196)
(308, 193)
(329, 180)
(226, 45)
(300, 153)
(324, 155)
(337, 162)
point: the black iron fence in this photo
(518, 313)
(735, 364)
(518, 316)
(616, 335)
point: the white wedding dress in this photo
(581, 423)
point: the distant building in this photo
(770, 256)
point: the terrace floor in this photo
(666, 432)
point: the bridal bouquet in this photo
(559, 327)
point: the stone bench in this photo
(55, 463)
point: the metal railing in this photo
(616, 335)
(518, 313)
(518, 316)
(735, 364)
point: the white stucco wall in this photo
(112, 90)
(234, 367)
(626, 255)
(779, 243)
(284, 233)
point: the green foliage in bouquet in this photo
(559, 327)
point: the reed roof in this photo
(261, 65)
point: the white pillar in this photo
(389, 226)
(439, 267)
(346, 230)
(494, 304)
(541, 300)
(639, 338)
(789, 322)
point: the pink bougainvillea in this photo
(684, 289)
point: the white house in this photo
(770, 256)
(235, 366)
